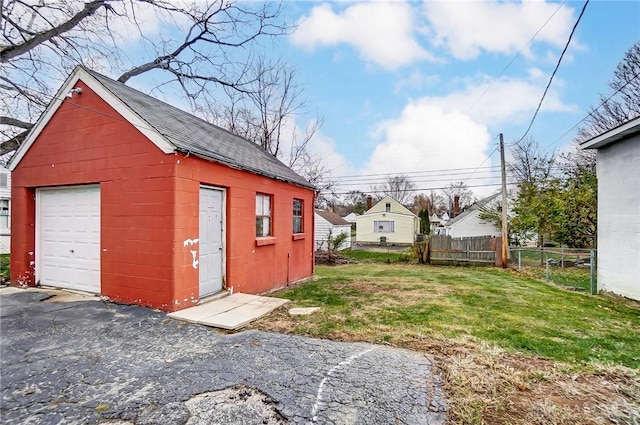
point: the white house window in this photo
(297, 216)
(387, 207)
(383, 226)
(263, 215)
(4, 213)
(4, 180)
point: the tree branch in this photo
(10, 52)
(14, 122)
(13, 143)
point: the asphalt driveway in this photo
(98, 362)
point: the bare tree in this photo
(459, 189)
(623, 102)
(536, 201)
(399, 187)
(266, 114)
(434, 203)
(199, 48)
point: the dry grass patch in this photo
(510, 349)
(487, 385)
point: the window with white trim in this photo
(297, 216)
(4, 213)
(263, 215)
(387, 207)
(383, 226)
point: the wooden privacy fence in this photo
(444, 249)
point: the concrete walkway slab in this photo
(303, 311)
(232, 312)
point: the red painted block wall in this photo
(149, 207)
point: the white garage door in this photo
(68, 238)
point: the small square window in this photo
(388, 207)
(4, 213)
(263, 215)
(298, 224)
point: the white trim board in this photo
(79, 74)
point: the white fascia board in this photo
(80, 74)
(627, 129)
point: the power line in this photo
(485, 160)
(356, 183)
(596, 108)
(413, 172)
(566, 46)
(493, 81)
(420, 189)
(515, 57)
(426, 177)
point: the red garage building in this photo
(117, 193)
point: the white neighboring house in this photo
(437, 223)
(618, 162)
(351, 218)
(5, 210)
(468, 223)
(328, 222)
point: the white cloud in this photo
(506, 100)
(470, 28)
(448, 132)
(382, 33)
(324, 149)
(427, 137)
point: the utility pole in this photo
(505, 235)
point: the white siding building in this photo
(468, 223)
(329, 223)
(5, 210)
(618, 165)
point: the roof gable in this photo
(333, 218)
(81, 74)
(473, 208)
(169, 128)
(396, 207)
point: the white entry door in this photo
(68, 238)
(211, 240)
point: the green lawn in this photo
(378, 257)
(388, 302)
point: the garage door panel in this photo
(69, 238)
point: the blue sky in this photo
(408, 87)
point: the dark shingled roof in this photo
(333, 218)
(193, 135)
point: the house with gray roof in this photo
(329, 225)
(469, 222)
(117, 193)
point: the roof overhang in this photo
(79, 74)
(616, 134)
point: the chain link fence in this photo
(573, 269)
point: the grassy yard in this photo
(4, 267)
(504, 340)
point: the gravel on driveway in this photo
(99, 362)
